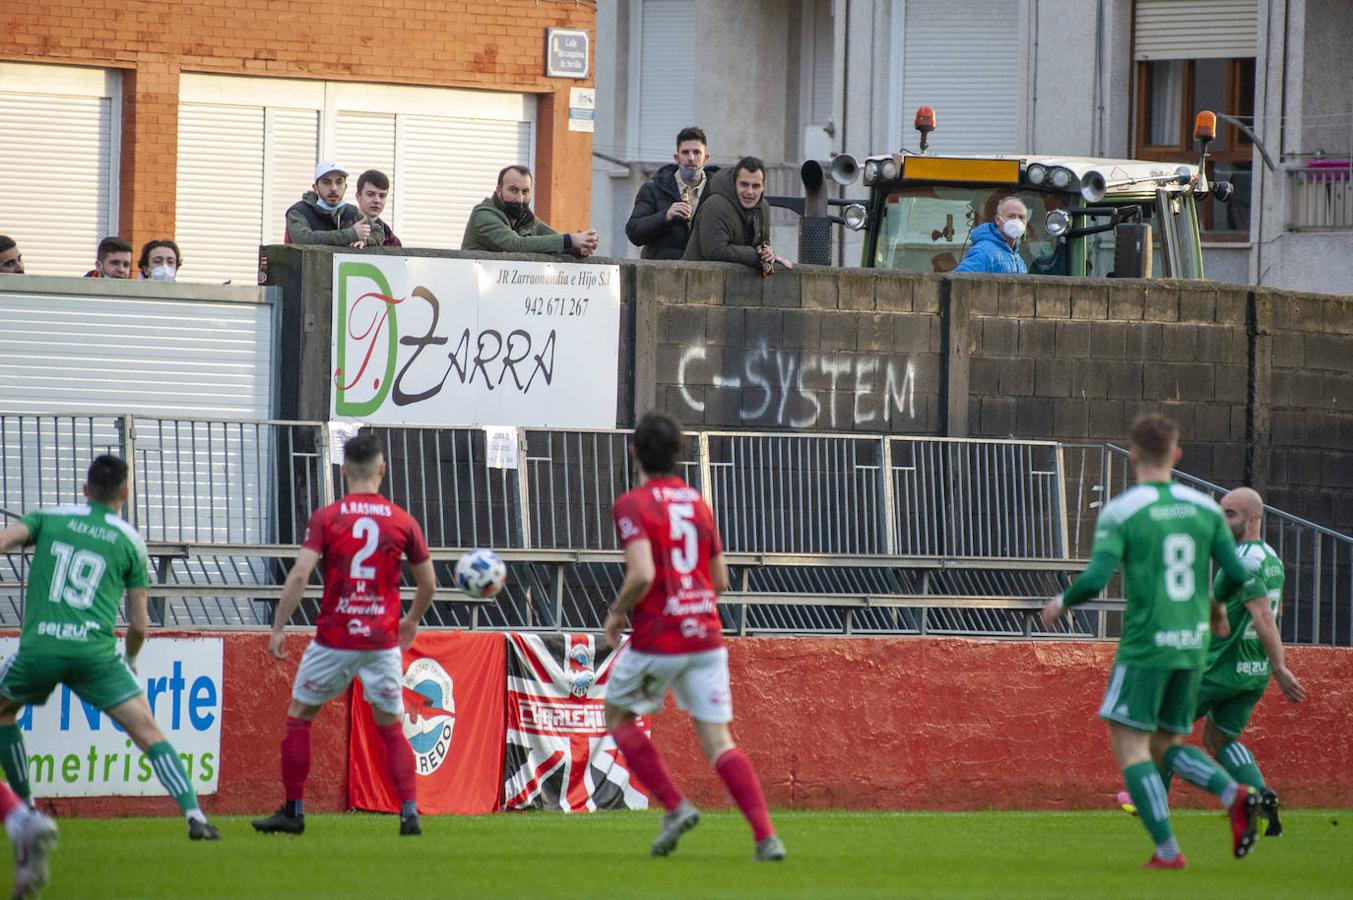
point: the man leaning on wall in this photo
(321, 216)
(504, 223)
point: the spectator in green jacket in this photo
(504, 222)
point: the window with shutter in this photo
(59, 131)
(248, 147)
(665, 93)
(952, 59)
(219, 218)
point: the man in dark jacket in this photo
(995, 245)
(664, 206)
(321, 216)
(373, 189)
(733, 222)
(504, 223)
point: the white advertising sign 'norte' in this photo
(74, 750)
(428, 341)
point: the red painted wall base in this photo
(848, 723)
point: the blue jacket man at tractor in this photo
(995, 244)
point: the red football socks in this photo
(399, 759)
(645, 762)
(737, 773)
(9, 801)
(296, 758)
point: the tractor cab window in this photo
(1101, 246)
(928, 227)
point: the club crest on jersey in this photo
(429, 713)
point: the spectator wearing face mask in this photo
(661, 220)
(160, 261)
(995, 244)
(321, 216)
(504, 223)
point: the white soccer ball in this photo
(480, 573)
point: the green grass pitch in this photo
(836, 854)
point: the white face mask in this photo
(1013, 229)
(162, 273)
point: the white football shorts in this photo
(639, 683)
(325, 672)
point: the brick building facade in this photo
(489, 45)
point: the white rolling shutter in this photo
(291, 150)
(952, 60)
(667, 83)
(367, 141)
(167, 350)
(58, 160)
(220, 192)
(1195, 29)
(445, 167)
(824, 40)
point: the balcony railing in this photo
(1322, 195)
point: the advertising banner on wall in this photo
(453, 718)
(74, 750)
(559, 755)
(429, 341)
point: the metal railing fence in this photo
(1322, 198)
(893, 535)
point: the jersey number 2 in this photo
(687, 551)
(364, 529)
(77, 575)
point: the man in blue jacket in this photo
(994, 243)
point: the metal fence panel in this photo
(443, 478)
(977, 498)
(795, 493)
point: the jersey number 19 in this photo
(77, 575)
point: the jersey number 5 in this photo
(77, 575)
(687, 550)
(364, 529)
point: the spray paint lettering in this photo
(790, 388)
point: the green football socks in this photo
(169, 769)
(1234, 756)
(14, 760)
(1196, 767)
(1148, 793)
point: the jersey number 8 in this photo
(1179, 554)
(77, 575)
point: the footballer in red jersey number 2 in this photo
(360, 632)
(674, 572)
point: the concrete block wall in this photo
(818, 349)
(1081, 359)
(1303, 442)
(1260, 381)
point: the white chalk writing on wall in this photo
(786, 387)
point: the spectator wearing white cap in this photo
(321, 216)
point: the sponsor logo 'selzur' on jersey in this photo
(361, 539)
(679, 614)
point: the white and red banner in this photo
(559, 755)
